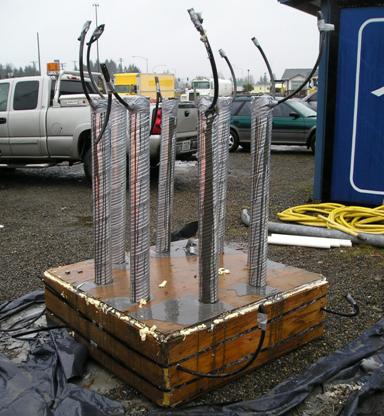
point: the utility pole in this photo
(248, 78)
(38, 52)
(96, 5)
(121, 64)
(74, 65)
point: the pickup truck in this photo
(45, 121)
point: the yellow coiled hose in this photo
(351, 220)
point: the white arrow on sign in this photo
(379, 92)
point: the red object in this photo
(157, 126)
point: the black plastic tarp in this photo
(40, 386)
(360, 363)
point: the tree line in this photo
(9, 70)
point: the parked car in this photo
(294, 123)
(311, 100)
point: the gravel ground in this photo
(47, 222)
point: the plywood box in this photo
(145, 344)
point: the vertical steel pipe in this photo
(261, 132)
(166, 176)
(223, 125)
(139, 196)
(208, 215)
(101, 192)
(118, 122)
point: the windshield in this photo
(200, 85)
(302, 108)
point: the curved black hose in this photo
(255, 354)
(24, 323)
(107, 78)
(272, 78)
(322, 43)
(93, 39)
(106, 119)
(81, 38)
(223, 54)
(197, 21)
(158, 98)
(352, 302)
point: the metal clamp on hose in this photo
(262, 320)
(352, 302)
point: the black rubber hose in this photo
(106, 120)
(108, 81)
(224, 55)
(95, 36)
(352, 302)
(272, 78)
(81, 38)
(158, 98)
(322, 43)
(197, 21)
(239, 370)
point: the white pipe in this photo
(334, 242)
(293, 240)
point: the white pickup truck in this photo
(45, 121)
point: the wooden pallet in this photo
(143, 345)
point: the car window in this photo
(4, 89)
(70, 87)
(245, 110)
(26, 95)
(302, 108)
(282, 110)
(235, 106)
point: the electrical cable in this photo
(262, 322)
(352, 302)
(224, 55)
(197, 20)
(95, 36)
(272, 78)
(349, 219)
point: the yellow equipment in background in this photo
(132, 83)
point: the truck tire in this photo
(87, 160)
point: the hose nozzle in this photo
(96, 34)
(197, 20)
(85, 29)
(255, 42)
(222, 53)
(322, 26)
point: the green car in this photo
(294, 123)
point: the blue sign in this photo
(358, 154)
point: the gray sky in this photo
(161, 31)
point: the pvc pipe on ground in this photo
(295, 240)
(283, 228)
(298, 239)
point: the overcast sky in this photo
(161, 31)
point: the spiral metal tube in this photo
(166, 176)
(223, 125)
(208, 214)
(101, 193)
(261, 132)
(138, 122)
(118, 123)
